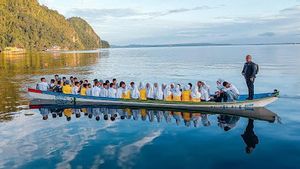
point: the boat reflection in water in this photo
(226, 118)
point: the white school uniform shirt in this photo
(134, 92)
(75, 90)
(177, 91)
(89, 92)
(119, 92)
(96, 91)
(104, 92)
(158, 93)
(204, 94)
(112, 93)
(232, 88)
(44, 86)
(167, 92)
(149, 92)
(195, 94)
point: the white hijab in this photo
(158, 93)
(195, 93)
(134, 93)
(167, 91)
(149, 91)
(141, 86)
(220, 84)
(177, 91)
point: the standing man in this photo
(249, 72)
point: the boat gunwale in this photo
(271, 95)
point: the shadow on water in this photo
(17, 71)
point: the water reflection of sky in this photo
(27, 141)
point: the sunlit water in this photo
(78, 140)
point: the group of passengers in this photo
(112, 89)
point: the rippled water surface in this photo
(71, 137)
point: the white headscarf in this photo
(141, 86)
(158, 93)
(220, 84)
(172, 90)
(134, 92)
(149, 91)
(195, 93)
(186, 87)
(177, 91)
(167, 91)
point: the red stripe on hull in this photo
(34, 90)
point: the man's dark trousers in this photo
(250, 85)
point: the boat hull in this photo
(49, 98)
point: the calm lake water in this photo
(101, 137)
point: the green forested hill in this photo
(27, 24)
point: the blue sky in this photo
(124, 22)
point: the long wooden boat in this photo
(49, 98)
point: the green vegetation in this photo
(27, 24)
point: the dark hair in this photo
(68, 118)
(89, 84)
(107, 81)
(121, 83)
(97, 118)
(225, 83)
(75, 78)
(64, 78)
(114, 79)
(42, 78)
(59, 82)
(85, 85)
(81, 82)
(131, 83)
(95, 80)
(76, 83)
(104, 84)
(77, 115)
(190, 84)
(56, 75)
(71, 77)
(52, 80)
(111, 85)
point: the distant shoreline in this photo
(198, 44)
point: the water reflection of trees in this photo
(16, 72)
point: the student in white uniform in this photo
(43, 85)
(104, 90)
(204, 90)
(120, 90)
(76, 88)
(232, 93)
(167, 93)
(96, 90)
(134, 91)
(195, 94)
(149, 91)
(112, 91)
(157, 92)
